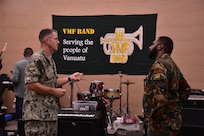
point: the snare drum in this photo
(96, 87)
(111, 94)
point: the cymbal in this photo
(128, 82)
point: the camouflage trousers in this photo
(157, 129)
(40, 128)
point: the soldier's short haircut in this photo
(168, 44)
(45, 32)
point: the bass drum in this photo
(111, 94)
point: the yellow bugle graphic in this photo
(120, 45)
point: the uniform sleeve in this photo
(32, 72)
(184, 90)
(156, 91)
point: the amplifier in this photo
(192, 117)
(192, 121)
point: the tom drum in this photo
(96, 87)
(111, 94)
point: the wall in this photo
(182, 20)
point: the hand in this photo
(4, 48)
(59, 92)
(76, 76)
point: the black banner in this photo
(104, 44)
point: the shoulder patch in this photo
(157, 76)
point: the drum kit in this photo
(97, 90)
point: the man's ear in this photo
(46, 40)
(160, 46)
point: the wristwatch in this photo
(69, 79)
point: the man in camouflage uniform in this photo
(165, 91)
(41, 98)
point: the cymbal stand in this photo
(120, 92)
(127, 108)
(121, 110)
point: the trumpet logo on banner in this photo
(120, 45)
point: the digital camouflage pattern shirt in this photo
(165, 90)
(40, 69)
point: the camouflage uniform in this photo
(165, 90)
(37, 108)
